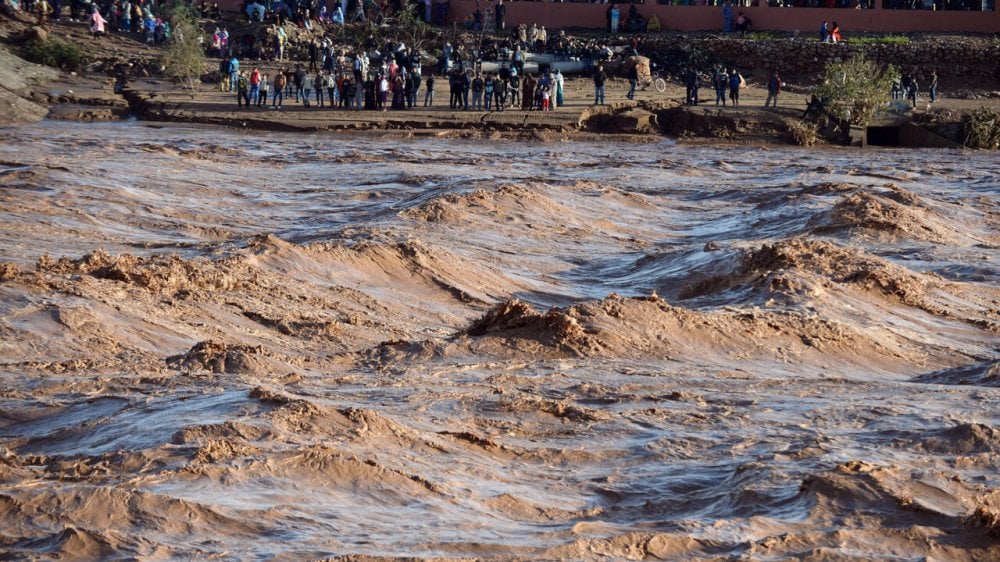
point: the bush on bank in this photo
(54, 52)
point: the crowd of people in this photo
(136, 17)
(389, 79)
(391, 76)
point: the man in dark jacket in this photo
(313, 56)
(599, 78)
(691, 85)
(773, 89)
(299, 79)
(500, 16)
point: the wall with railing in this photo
(878, 17)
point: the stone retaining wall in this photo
(806, 57)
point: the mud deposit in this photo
(217, 345)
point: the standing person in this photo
(254, 86)
(407, 88)
(278, 48)
(306, 89)
(234, 73)
(773, 89)
(466, 86)
(398, 94)
(514, 85)
(429, 96)
(500, 16)
(736, 82)
(299, 80)
(720, 81)
(615, 16)
(727, 17)
(383, 92)
(559, 88)
(242, 91)
(914, 89)
(96, 22)
(333, 90)
(359, 94)
(280, 81)
(224, 79)
(599, 78)
(137, 19)
(934, 86)
(282, 39)
(905, 83)
(415, 89)
(500, 87)
(319, 83)
(126, 25)
(478, 87)
(499, 93)
(824, 32)
(691, 85)
(346, 92)
(527, 92)
(453, 90)
(313, 56)
(488, 92)
(633, 80)
(264, 86)
(517, 59)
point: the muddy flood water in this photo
(228, 345)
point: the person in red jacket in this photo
(254, 86)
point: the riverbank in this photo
(89, 95)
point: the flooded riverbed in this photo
(258, 345)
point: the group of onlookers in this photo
(908, 87)
(125, 16)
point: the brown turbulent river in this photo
(228, 345)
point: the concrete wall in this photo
(949, 57)
(704, 18)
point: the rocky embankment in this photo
(20, 100)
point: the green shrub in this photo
(184, 57)
(761, 36)
(858, 88)
(885, 40)
(54, 53)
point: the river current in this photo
(252, 345)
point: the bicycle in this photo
(654, 79)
